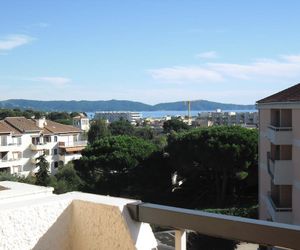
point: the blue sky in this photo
(148, 50)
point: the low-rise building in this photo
(22, 140)
(82, 122)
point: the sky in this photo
(148, 50)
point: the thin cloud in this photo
(207, 55)
(13, 41)
(285, 68)
(55, 81)
(182, 74)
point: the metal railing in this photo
(276, 207)
(216, 225)
(278, 128)
(270, 168)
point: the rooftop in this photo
(291, 94)
(19, 125)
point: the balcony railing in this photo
(278, 128)
(277, 207)
(222, 226)
(270, 166)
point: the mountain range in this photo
(117, 105)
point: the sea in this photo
(163, 113)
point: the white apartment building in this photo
(23, 140)
(279, 156)
(229, 118)
(112, 116)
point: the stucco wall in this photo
(24, 223)
(99, 227)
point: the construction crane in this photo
(188, 103)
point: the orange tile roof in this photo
(5, 128)
(22, 124)
(291, 94)
(19, 125)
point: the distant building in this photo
(229, 118)
(112, 116)
(279, 156)
(23, 140)
(82, 122)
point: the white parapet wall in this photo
(39, 219)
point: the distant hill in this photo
(116, 105)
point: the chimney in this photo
(41, 122)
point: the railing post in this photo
(180, 240)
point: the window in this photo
(47, 152)
(3, 140)
(17, 155)
(47, 139)
(55, 151)
(55, 138)
(56, 164)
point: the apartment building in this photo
(279, 156)
(23, 140)
(112, 116)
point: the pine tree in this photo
(43, 174)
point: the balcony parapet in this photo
(40, 146)
(72, 144)
(281, 171)
(9, 146)
(280, 135)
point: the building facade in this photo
(23, 140)
(279, 156)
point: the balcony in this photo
(85, 221)
(278, 213)
(281, 171)
(9, 147)
(6, 162)
(280, 135)
(66, 158)
(40, 146)
(73, 144)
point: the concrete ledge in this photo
(74, 220)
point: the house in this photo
(22, 140)
(279, 156)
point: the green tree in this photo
(43, 174)
(105, 164)
(98, 130)
(213, 162)
(67, 179)
(174, 125)
(121, 127)
(146, 133)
